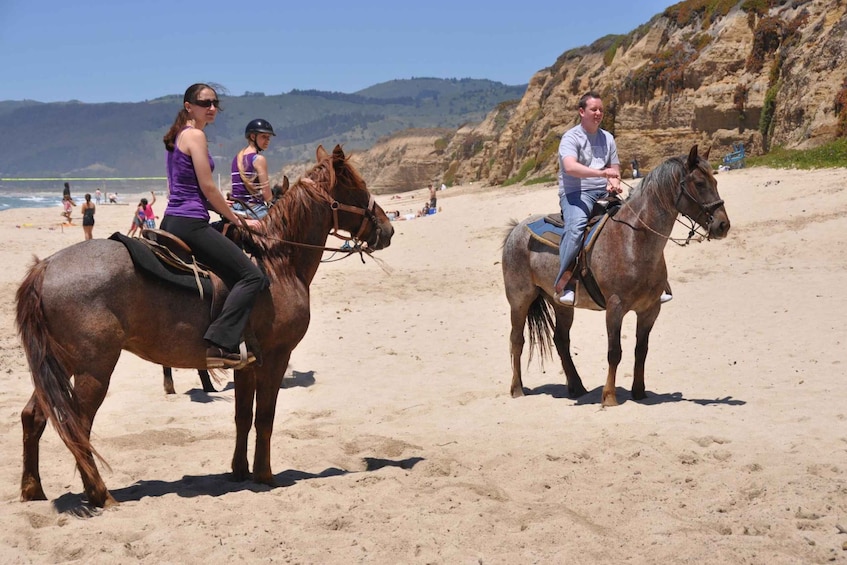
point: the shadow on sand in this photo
(218, 484)
(624, 396)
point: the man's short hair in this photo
(583, 100)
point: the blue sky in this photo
(121, 51)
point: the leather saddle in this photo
(549, 229)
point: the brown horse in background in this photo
(627, 261)
(78, 309)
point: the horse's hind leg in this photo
(207, 382)
(562, 340)
(90, 391)
(643, 327)
(516, 345)
(33, 422)
(168, 380)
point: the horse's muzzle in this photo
(719, 226)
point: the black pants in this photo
(224, 258)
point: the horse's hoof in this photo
(264, 479)
(577, 392)
(517, 392)
(104, 501)
(240, 475)
(28, 495)
(610, 400)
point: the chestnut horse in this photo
(627, 261)
(79, 308)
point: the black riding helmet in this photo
(258, 126)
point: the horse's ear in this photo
(285, 183)
(337, 153)
(693, 160)
(321, 154)
(706, 154)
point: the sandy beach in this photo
(396, 440)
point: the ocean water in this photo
(8, 201)
(37, 195)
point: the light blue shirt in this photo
(597, 151)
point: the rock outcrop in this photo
(763, 72)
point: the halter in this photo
(707, 210)
(368, 217)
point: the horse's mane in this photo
(663, 180)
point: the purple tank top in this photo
(185, 199)
(238, 189)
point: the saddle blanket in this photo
(144, 259)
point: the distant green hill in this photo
(125, 139)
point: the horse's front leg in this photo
(642, 336)
(245, 390)
(268, 382)
(562, 340)
(614, 320)
(33, 423)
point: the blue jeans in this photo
(576, 209)
(256, 211)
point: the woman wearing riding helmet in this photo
(250, 183)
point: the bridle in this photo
(368, 218)
(708, 210)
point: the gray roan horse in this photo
(627, 262)
(77, 309)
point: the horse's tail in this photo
(48, 364)
(539, 322)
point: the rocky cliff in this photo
(762, 72)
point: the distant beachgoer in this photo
(66, 193)
(88, 209)
(149, 215)
(432, 198)
(97, 196)
(138, 218)
(113, 198)
(67, 204)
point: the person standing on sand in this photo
(88, 210)
(67, 205)
(149, 215)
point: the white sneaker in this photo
(665, 297)
(567, 298)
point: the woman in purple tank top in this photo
(192, 194)
(250, 183)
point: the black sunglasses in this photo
(208, 103)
